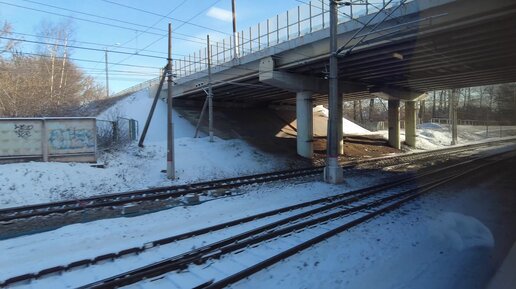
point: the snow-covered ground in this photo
(348, 127)
(196, 158)
(434, 136)
(430, 243)
(135, 168)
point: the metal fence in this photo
(304, 19)
(111, 133)
(442, 120)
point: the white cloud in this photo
(220, 14)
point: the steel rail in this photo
(333, 202)
(232, 244)
(307, 244)
(163, 193)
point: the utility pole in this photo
(170, 126)
(107, 75)
(333, 170)
(235, 36)
(210, 91)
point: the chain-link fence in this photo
(112, 133)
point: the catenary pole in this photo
(107, 75)
(170, 125)
(333, 170)
(235, 47)
(210, 92)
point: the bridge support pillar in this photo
(410, 123)
(394, 123)
(304, 115)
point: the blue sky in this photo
(137, 29)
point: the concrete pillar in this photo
(410, 123)
(394, 123)
(340, 133)
(304, 115)
(453, 115)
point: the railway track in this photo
(117, 204)
(290, 229)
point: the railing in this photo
(442, 120)
(304, 19)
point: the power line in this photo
(191, 18)
(108, 18)
(98, 22)
(168, 17)
(155, 23)
(88, 60)
(81, 47)
(88, 42)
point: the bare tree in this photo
(47, 84)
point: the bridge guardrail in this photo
(309, 17)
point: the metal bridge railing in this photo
(297, 22)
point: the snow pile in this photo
(461, 232)
(435, 136)
(348, 127)
(137, 106)
(134, 167)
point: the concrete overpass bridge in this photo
(397, 53)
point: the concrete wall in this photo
(48, 139)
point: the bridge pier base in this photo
(304, 116)
(394, 123)
(410, 123)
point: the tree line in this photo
(45, 82)
(490, 103)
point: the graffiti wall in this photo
(54, 139)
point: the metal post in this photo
(210, 91)
(333, 170)
(310, 14)
(241, 40)
(235, 50)
(224, 50)
(107, 75)
(250, 42)
(268, 42)
(217, 53)
(170, 125)
(151, 112)
(200, 118)
(259, 37)
(44, 140)
(322, 12)
(277, 28)
(288, 27)
(298, 21)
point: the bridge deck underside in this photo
(468, 53)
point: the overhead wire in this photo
(99, 22)
(90, 43)
(190, 19)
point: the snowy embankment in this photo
(434, 136)
(134, 167)
(348, 127)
